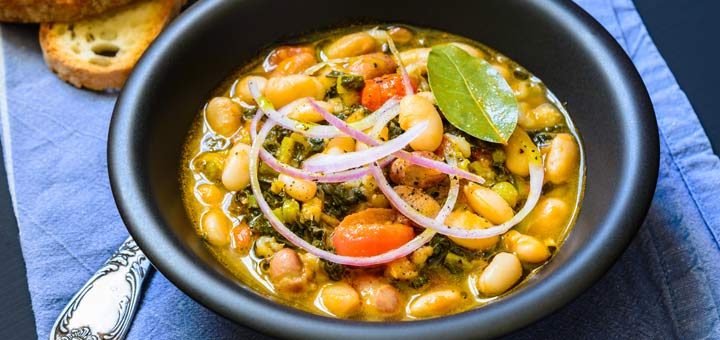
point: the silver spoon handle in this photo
(104, 308)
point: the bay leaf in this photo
(472, 94)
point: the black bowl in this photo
(578, 60)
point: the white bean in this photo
(500, 275)
(415, 109)
(236, 174)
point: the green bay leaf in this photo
(472, 94)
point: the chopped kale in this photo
(333, 270)
(394, 129)
(316, 144)
(260, 225)
(544, 136)
(443, 247)
(456, 264)
(419, 281)
(347, 80)
(274, 139)
(352, 82)
(340, 199)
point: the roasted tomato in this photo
(378, 90)
(370, 232)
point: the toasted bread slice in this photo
(98, 53)
(54, 10)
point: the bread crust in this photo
(36, 11)
(84, 74)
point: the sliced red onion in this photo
(403, 250)
(403, 72)
(280, 167)
(383, 120)
(536, 182)
(311, 129)
(334, 163)
(335, 177)
(418, 160)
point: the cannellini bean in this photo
(419, 200)
(545, 115)
(236, 174)
(340, 299)
(210, 194)
(527, 248)
(344, 144)
(487, 203)
(435, 303)
(562, 159)
(242, 91)
(548, 218)
(387, 299)
(400, 35)
(299, 189)
(406, 173)
(515, 158)
(286, 271)
(284, 263)
(415, 60)
(279, 54)
(415, 109)
(526, 90)
(282, 90)
(294, 64)
(305, 112)
(465, 219)
(500, 275)
(372, 65)
(223, 115)
(216, 227)
(378, 296)
(352, 45)
(427, 95)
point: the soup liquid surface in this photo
(244, 242)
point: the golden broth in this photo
(251, 269)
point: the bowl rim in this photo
(511, 313)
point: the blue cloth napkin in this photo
(666, 285)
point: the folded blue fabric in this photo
(667, 284)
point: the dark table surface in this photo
(684, 31)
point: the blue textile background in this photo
(666, 285)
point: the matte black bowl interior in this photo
(557, 41)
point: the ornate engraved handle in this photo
(104, 307)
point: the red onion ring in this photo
(536, 182)
(311, 129)
(421, 161)
(333, 163)
(280, 167)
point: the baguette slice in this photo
(54, 10)
(98, 53)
